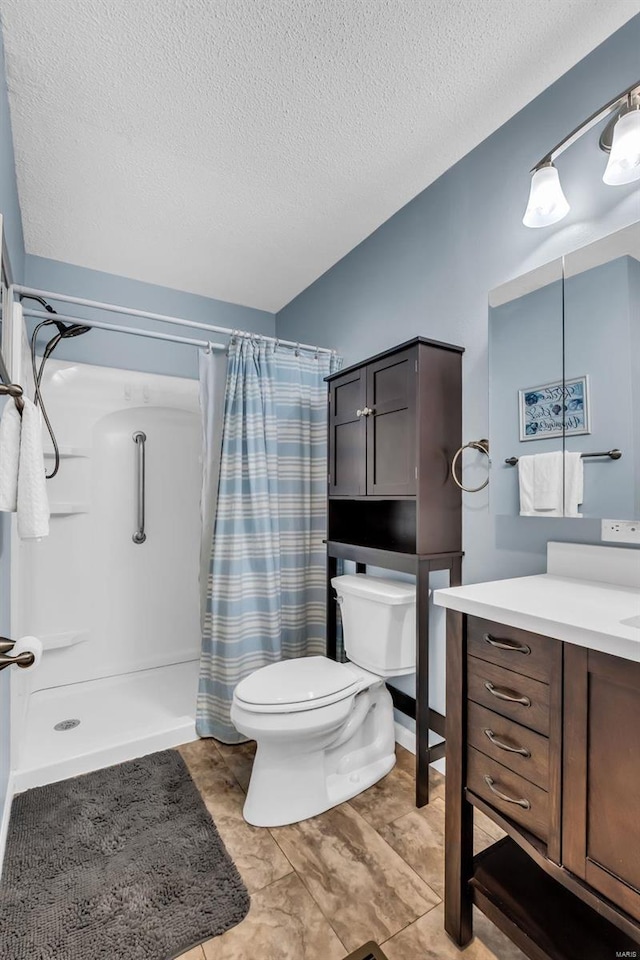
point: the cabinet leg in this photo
(422, 684)
(332, 629)
(458, 863)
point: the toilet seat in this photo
(294, 686)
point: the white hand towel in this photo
(525, 479)
(547, 481)
(536, 485)
(10, 427)
(33, 502)
(573, 483)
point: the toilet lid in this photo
(298, 684)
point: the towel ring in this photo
(483, 447)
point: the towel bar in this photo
(612, 454)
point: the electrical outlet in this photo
(622, 531)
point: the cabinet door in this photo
(347, 435)
(601, 821)
(391, 425)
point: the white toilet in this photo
(324, 729)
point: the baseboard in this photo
(407, 739)
(4, 823)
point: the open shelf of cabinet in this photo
(538, 914)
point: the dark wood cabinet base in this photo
(539, 915)
(562, 884)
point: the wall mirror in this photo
(564, 375)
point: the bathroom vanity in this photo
(543, 736)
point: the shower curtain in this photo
(265, 598)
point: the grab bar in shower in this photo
(140, 438)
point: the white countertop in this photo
(589, 613)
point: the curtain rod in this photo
(115, 328)
(130, 312)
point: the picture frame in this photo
(556, 409)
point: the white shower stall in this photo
(119, 620)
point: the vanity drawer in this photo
(527, 653)
(521, 800)
(511, 744)
(510, 694)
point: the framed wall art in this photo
(555, 409)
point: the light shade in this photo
(624, 159)
(547, 203)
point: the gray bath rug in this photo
(120, 864)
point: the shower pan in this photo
(113, 591)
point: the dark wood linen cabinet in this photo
(543, 738)
(395, 423)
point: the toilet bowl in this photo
(324, 730)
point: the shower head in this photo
(71, 329)
(65, 332)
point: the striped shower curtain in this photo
(265, 597)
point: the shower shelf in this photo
(68, 453)
(68, 509)
(56, 641)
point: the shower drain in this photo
(67, 725)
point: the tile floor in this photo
(370, 869)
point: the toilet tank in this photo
(378, 622)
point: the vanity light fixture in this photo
(547, 203)
(624, 155)
(620, 139)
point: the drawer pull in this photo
(520, 803)
(505, 746)
(507, 644)
(508, 695)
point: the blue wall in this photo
(428, 270)
(137, 353)
(599, 342)
(525, 350)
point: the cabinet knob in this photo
(367, 411)
(360, 413)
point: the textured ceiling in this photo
(239, 148)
